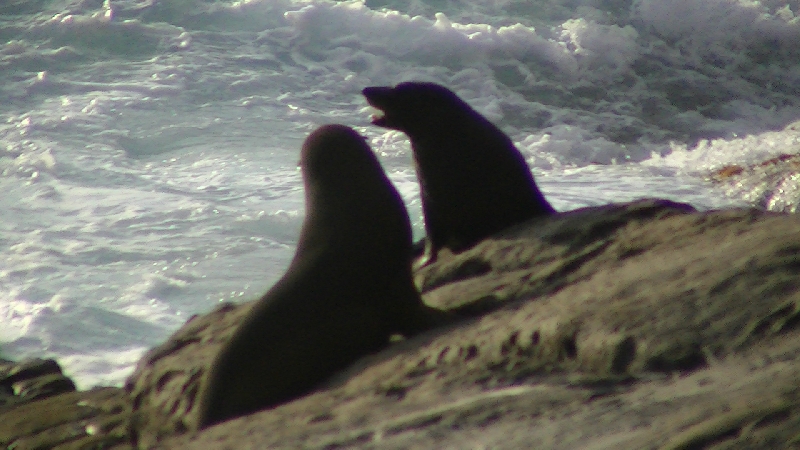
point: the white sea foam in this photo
(148, 150)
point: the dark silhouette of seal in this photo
(347, 290)
(473, 181)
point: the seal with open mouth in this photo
(473, 181)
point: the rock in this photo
(167, 380)
(641, 325)
(30, 380)
(772, 184)
(40, 409)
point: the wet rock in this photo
(639, 325)
(40, 409)
(573, 328)
(30, 380)
(773, 184)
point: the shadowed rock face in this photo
(641, 325)
(40, 409)
(473, 181)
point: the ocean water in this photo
(148, 148)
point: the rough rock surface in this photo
(165, 385)
(40, 409)
(773, 184)
(643, 325)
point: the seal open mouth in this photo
(379, 97)
(378, 117)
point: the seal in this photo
(473, 180)
(347, 290)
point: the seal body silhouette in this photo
(473, 181)
(347, 290)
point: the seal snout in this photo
(379, 97)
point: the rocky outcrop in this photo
(165, 385)
(642, 325)
(40, 409)
(772, 184)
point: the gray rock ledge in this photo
(631, 326)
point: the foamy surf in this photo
(148, 150)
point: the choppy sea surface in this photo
(148, 148)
